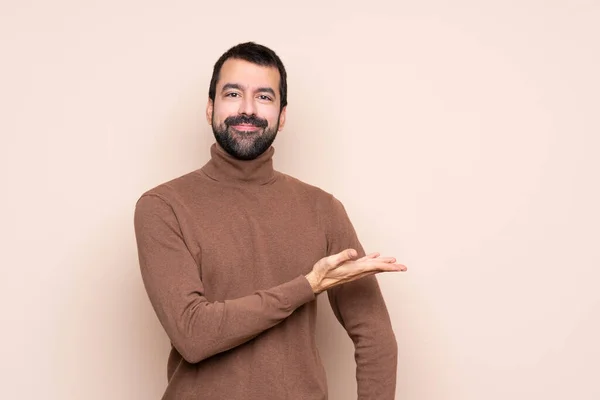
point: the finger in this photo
(389, 260)
(372, 262)
(395, 267)
(374, 272)
(386, 267)
(368, 257)
(344, 256)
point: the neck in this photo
(223, 167)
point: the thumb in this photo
(346, 255)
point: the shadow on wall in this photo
(109, 342)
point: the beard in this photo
(245, 145)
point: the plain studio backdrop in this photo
(462, 136)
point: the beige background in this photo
(462, 136)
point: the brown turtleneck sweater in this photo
(223, 252)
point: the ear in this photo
(209, 111)
(282, 118)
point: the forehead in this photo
(248, 74)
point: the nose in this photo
(247, 106)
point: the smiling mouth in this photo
(246, 128)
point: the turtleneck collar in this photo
(223, 167)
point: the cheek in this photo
(270, 114)
(222, 111)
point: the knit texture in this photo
(223, 252)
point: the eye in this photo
(232, 94)
(265, 97)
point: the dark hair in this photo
(256, 54)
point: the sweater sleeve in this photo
(197, 327)
(360, 308)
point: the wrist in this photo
(313, 281)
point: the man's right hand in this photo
(343, 267)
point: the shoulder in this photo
(324, 201)
(173, 190)
(299, 186)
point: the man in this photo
(233, 254)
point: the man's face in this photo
(245, 115)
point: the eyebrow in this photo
(237, 86)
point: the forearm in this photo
(200, 329)
(376, 366)
(362, 311)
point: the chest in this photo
(253, 241)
